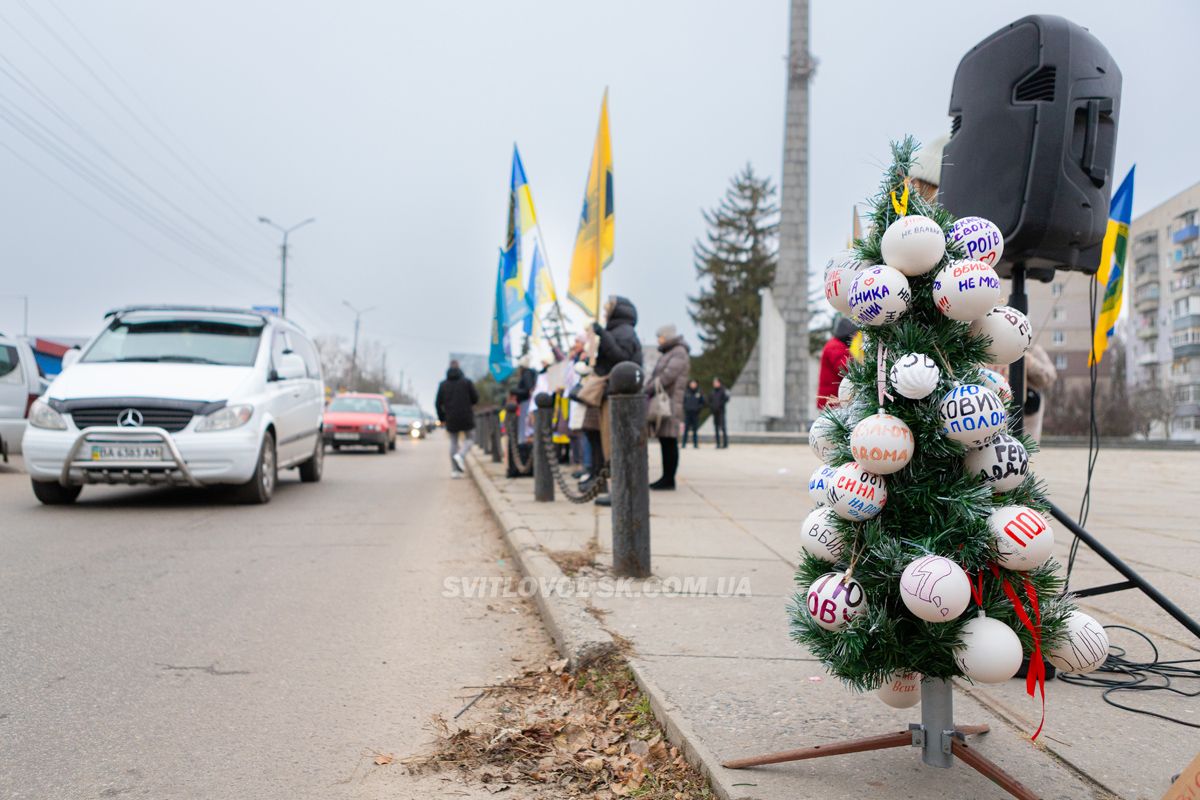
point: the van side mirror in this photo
(290, 367)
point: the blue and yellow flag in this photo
(1111, 275)
(499, 353)
(595, 238)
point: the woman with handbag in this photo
(665, 389)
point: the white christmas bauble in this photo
(901, 689)
(845, 391)
(839, 272)
(1085, 647)
(1003, 463)
(1023, 537)
(1009, 330)
(820, 438)
(819, 483)
(879, 296)
(882, 443)
(972, 414)
(965, 290)
(833, 602)
(979, 237)
(913, 244)
(819, 537)
(996, 382)
(914, 375)
(856, 494)
(990, 653)
(935, 589)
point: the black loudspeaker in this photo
(1033, 135)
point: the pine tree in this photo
(934, 506)
(734, 262)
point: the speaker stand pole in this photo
(939, 739)
(1016, 371)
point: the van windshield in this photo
(181, 341)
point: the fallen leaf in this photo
(383, 759)
(594, 764)
(557, 666)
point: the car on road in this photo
(181, 395)
(360, 419)
(20, 384)
(410, 421)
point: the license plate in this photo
(127, 452)
(353, 437)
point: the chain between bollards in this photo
(543, 478)
(630, 487)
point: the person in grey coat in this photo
(671, 374)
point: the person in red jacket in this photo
(833, 361)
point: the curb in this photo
(578, 635)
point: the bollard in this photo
(543, 478)
(630, 487)
(481, 430)
(494, 434)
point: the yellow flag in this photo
(594, 240)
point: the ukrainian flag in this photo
(595, 238)
(1111, 274)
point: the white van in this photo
(20, 384)
(181, 395)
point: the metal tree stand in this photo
(940, 740)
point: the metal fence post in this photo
(494, 434)
(630, 472)
(543, 479)
(481, 430)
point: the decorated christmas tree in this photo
(928, 554)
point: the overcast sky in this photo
(392, 123)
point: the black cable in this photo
(1119, 673)
(1085, 502)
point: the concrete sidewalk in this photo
(727, 681)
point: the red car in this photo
(360, 419)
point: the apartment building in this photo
(1163, 297)
(1062, 325)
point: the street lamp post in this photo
(354, 349)
(283, 253)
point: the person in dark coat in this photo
(694, 402)
(834, 357)
(517, 425)
(717, 401)
(617, 341)
(455, 403)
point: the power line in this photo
(239, 214)
(83, 91)
(77, 163)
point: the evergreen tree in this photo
(934, 504)
(734, 262)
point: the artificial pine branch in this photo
(934, 505)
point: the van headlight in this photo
(41, 415)
(225, 419)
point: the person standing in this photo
(519, 429)
(717, 402)
(456, 399)
(618, 341)
(669, 377)
(834, 357)
(694, 402)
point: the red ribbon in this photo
(976, 593)
(1035, 676)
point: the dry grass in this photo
(588, 735)
(575, 562)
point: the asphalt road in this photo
(167, 644)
